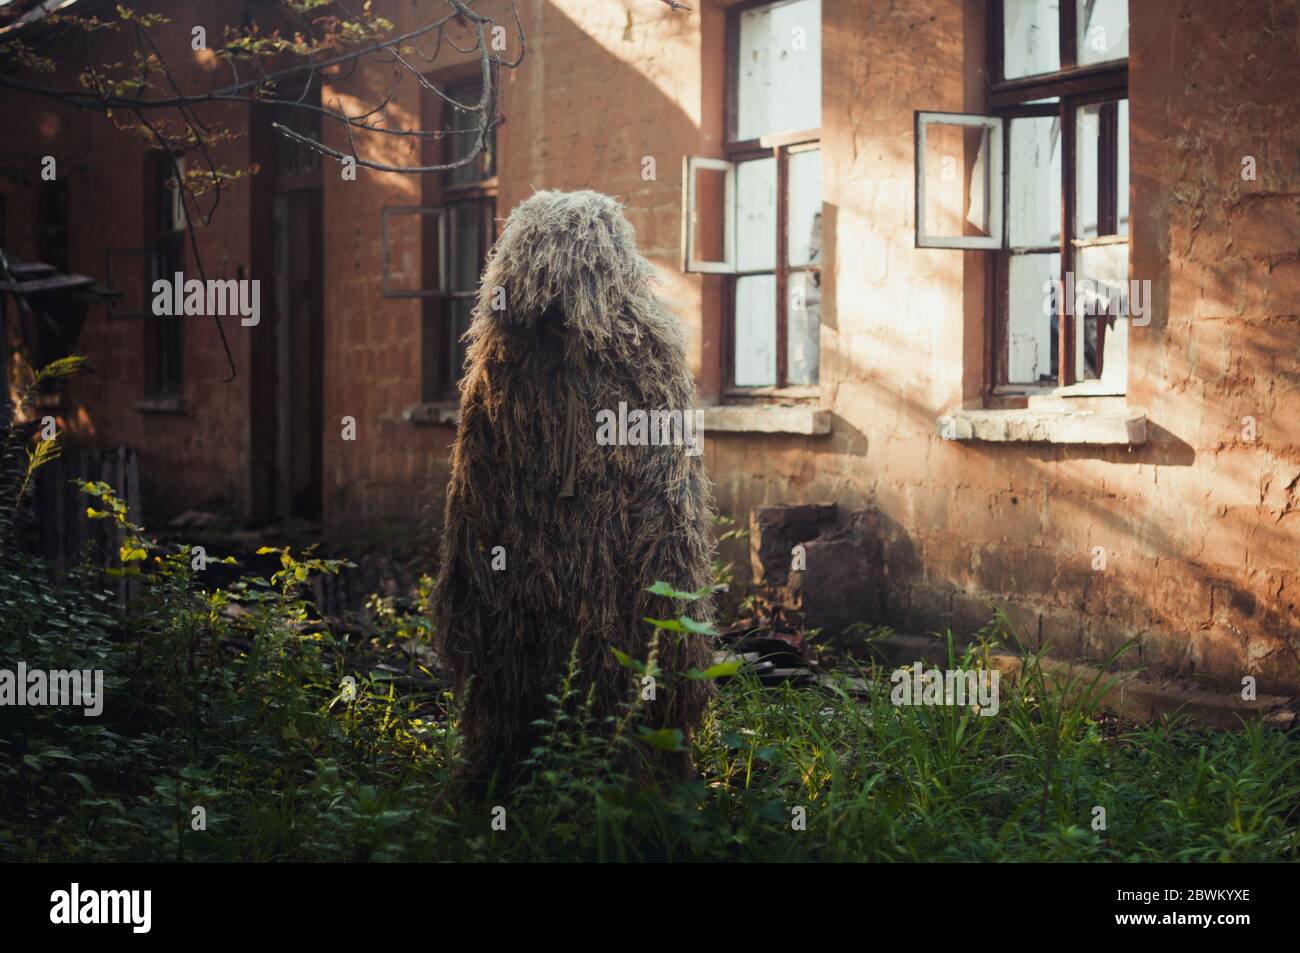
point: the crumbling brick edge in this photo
(1133, 695)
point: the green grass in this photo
(244, 713)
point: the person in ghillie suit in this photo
(567, 325)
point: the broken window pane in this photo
(1031, 37)
(803, 327)
(804, 228)
(1035, 199)
(756, 215)
(959, 181)
(1032, 316)
(1101, 308)
(779, 87)
(755, 331)
(1102, 31)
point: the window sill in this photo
(160, 405)
(433, 414)
(1031, 425)
(1037, 392)
(767, 418)
(773, 394)
(737, 418)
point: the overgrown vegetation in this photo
(300, 743)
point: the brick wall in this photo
(191, 458)
(1200, 527)
(604, 86)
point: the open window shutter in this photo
(708, 215)
(397, 285)
(959, 182)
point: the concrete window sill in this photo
(767, 418)
(160, 405)
(1095, 427)
(758, 418)
(429, 414)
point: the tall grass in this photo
(239, 707)
(245, 715)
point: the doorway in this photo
(298, 251)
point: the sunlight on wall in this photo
(633, 32)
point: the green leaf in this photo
(683, 624)
(665, 739)
(663, 589)
(699, 628)
(628, 661)
(63, 367)
(672, 625)
(83, 781)
(721, 670)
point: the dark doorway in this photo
(299, 344)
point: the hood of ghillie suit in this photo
(551, 537)
(574, 253)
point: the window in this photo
(50, 340)
(52, 238)
(755, 214)
(165, 211)
(293, 160)
(1042, 183)
(457, 228)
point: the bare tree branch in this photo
(153, 88)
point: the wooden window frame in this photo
(1074, 86)
(438, 379)
(779, 146)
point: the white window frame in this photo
(995, 126)
(690, 216)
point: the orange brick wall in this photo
(198, 457)
(1200, 528)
